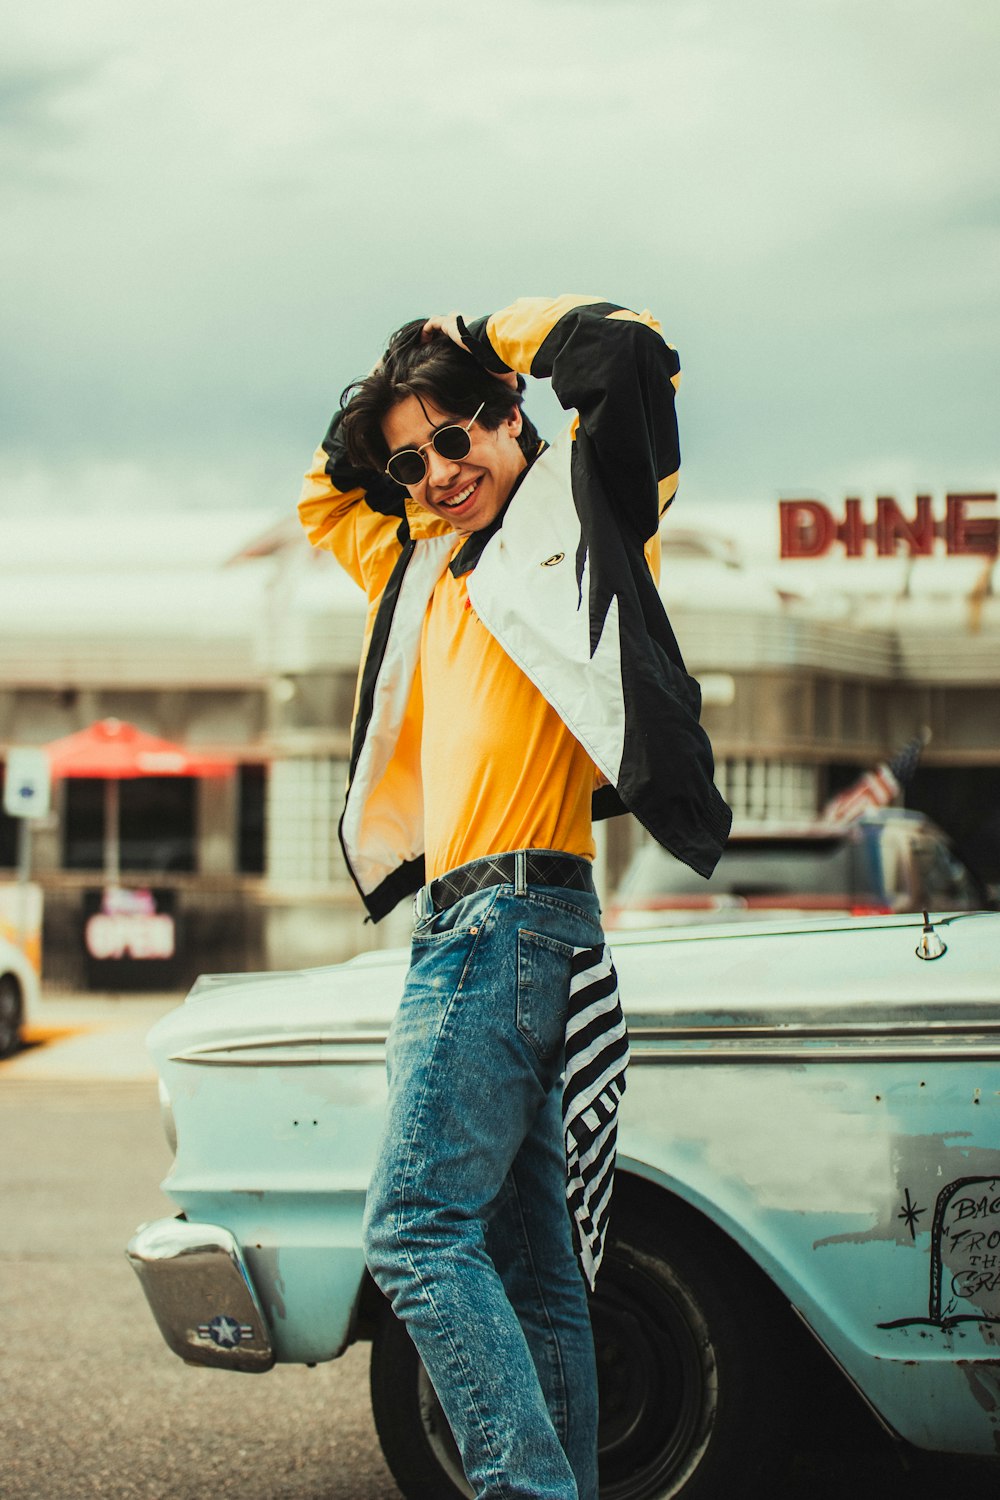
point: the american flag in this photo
(878, 787)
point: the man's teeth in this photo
(461, 498)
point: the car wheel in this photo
(10, 1015)
(412, 1429)
(689, 1358)
(693, 1388)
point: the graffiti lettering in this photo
(975, 1208)
(973, 1283)
(974, 1239)
(965, 1271)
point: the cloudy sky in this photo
(215, 212)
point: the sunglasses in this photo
(409, 466)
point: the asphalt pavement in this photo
(94, 1404)
(90, 1038)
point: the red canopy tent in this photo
(113, 750)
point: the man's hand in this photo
(447, 324)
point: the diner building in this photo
(820, 653)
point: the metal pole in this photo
(600, 831)
(112, 860)
(23, 876)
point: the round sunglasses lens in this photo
(452, 442)
(407, 468)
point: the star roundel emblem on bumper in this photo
(225, 1331)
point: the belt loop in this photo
(520, 872)
(423, 905)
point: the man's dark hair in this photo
(437, 370)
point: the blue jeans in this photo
(466, 1225)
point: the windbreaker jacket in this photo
(561, 581)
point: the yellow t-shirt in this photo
(500, 769)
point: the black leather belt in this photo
(541, 868)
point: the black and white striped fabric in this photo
(593, 1084)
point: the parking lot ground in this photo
(94, 1403)
(37, 1036)
(90, 1036)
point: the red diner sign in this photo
(809, 528)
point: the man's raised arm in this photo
(615, 369)
(352, 512)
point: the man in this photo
(519, 676)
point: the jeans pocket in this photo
(464, 917)
(543, 976)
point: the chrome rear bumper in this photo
(197, 1285)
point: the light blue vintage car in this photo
(808, 1189)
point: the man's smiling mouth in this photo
(461, 497)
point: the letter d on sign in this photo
(807, 528)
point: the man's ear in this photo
(514, 421)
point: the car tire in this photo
(693, 1386)
(412, 1429)
(690, 1339)
(10, 1015)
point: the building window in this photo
(156, 824)
(305, 797)
(768, 790)
(252, 792)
